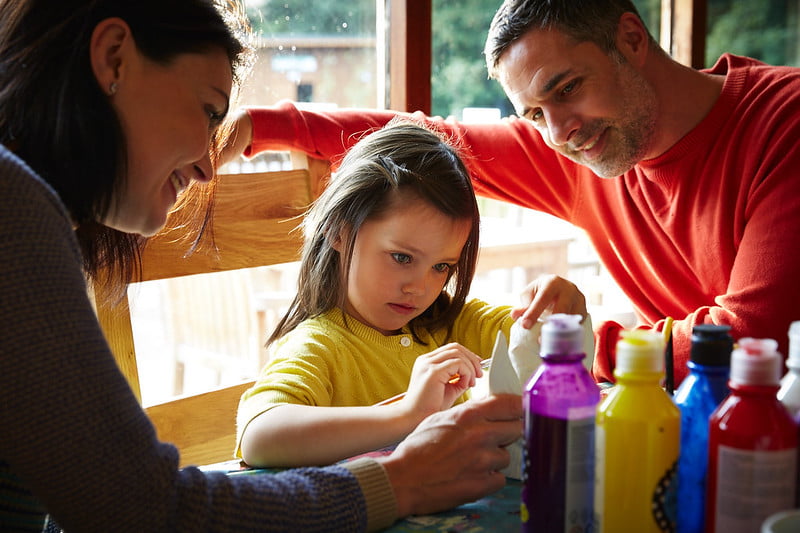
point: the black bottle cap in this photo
(711, 345)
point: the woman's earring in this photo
(112, 89)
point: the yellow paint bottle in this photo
(637, 442)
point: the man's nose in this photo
(561, 126)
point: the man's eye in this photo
(403, 259)
(570, 87)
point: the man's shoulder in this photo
(763, 94)
(754, 69)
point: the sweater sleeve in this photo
(477, 325)
(508, 159)
(73, 432)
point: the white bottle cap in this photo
(756, 362)
(562, 334)
(793, 360)
(640, 351)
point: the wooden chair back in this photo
(255, 224)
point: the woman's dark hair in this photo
(401, 161)
(592, 21)
(56, 117)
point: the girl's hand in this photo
(439, 378)
(549, 292)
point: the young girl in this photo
(396, 227)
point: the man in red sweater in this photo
(686, 181)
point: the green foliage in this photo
(303, 17)
(650, 11)
(766, 32)
(459, 76)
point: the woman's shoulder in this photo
(23, 189)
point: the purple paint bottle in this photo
(560, 403)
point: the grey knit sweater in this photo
(75, 443)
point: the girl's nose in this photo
(414, 286)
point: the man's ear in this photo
(632, 39)
(111, 42)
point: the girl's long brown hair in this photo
(401, 158)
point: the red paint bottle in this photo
(752, 448)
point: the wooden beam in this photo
(410, 54)
(683, 30)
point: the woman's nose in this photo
(202, 170)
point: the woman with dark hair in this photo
(108, 111)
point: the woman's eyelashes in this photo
(215, 117)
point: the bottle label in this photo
(636, 482)
(558, 478)
(599, 473)
(752, 485)
(665, 500)
(579, 515)
(582, 413)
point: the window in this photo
(305, 92)
(201, 332)
(765, 31)
(330, 46)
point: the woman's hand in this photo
(454, 456)
(551, 293)
(439, 378)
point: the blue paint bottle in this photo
(698, 396)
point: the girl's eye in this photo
(403, 259)
(442, 267)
